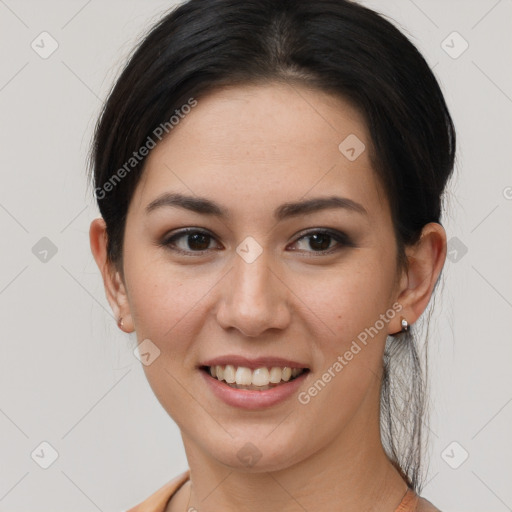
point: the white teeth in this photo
(260, 377)
(242, 376)
(228, 373)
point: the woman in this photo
(270, 176)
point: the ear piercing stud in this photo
(405, 326)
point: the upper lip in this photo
(258, 362)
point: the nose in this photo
(254, 298)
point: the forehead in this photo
(264, 145)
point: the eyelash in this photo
(338, 236)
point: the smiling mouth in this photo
(261, 379)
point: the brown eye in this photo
(189, 241)
(322, 241)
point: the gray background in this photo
(67, 374)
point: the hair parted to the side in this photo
(337, 46)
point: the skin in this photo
(250, 149)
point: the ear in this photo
(426, 259)
(115, 290)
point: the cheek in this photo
(170, 306)
(345, 300)
(167, 310)
(162, 295)
(346, 306)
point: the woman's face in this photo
(256, 281)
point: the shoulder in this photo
(157, 502)
(413, 502)
(425, 506)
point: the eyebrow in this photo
(206, 206)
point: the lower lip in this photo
(253, 399)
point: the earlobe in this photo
(425, 259)
(114, 287)
(120, 297)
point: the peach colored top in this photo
(159, 500)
